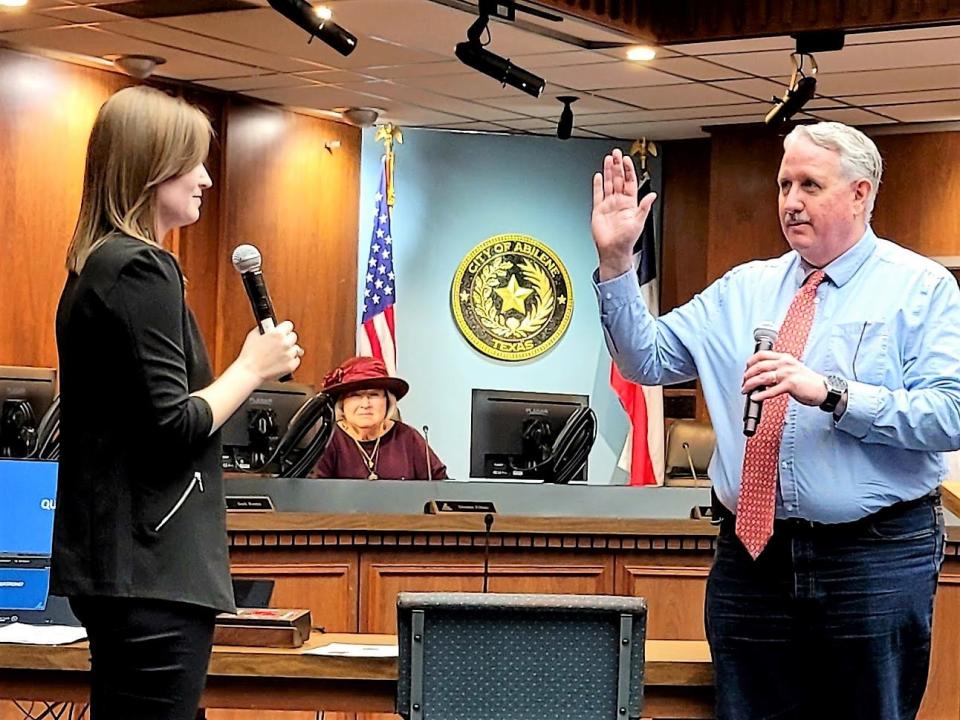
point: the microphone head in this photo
(246, 258)
(765, 330)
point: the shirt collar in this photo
(844, 267)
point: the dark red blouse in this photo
(402, 456)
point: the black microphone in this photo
(792, 101)
(426, 442)
(487, 524)
(766, 336)
(247, 262)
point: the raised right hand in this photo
(273, 354)
(617, 219)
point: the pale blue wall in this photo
(454, 190)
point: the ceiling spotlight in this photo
(360, 116)
(801, 89)
(641, 53)
(472, 52)
(138, 66)
(317, 22)
(565, 126)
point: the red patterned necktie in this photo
(758, 482)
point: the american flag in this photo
(642, 455)
(377, 334)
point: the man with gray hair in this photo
(820, 599)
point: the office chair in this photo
(477, 656)
(689, 447)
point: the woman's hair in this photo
(391, 407)
(141, 138)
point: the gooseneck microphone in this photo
(247, 261)
(426, 443)
(765, 336)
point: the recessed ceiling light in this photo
(641, 53)
(12, 3)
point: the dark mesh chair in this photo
(475, 656)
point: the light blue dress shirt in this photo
(887, 320)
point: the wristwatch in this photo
(836, 387)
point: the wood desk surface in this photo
(668, 662)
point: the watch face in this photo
(836, 384)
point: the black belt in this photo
(722, 515)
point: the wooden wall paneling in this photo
(942, 697)
(46, 111)
(298, 203)
(686, 194)
(743, 223)
(674, 587)
(325, 582)
(920, 192)
(200, 246)
(384, 574)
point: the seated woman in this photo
(368, 443)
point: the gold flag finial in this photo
(388, 134)
(644, 148)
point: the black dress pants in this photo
(149, 658)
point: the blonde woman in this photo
(140, 538)
(370, 442)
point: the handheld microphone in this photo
(247, 261)
(765, 336)
(426, 443)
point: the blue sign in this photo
(28, 492)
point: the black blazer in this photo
(140, 507)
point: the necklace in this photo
(369, 459)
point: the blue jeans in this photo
(829, 621)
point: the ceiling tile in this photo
(474, 127)
(319, 97)
(75, 14)
(694, 69)
(758, 88)
(91, 41)
(851, 116)
(674, 96)
(888, 36)
(924, 112)
(256, 82)
(852, 58)
(424, 69)
(910, 97)
(540, 61)
(11, 22)
(469, 85)
(609, 75)
(886, 81)
(780, 42)
(548, 106)
(212, 47)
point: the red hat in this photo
(362, 373)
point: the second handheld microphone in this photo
(765, 336)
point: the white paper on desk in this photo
(352, 650)
(24, 634)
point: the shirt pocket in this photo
(861, 351)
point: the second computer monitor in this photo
(512, 431)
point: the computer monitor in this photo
(29, 491)
(26, 393)
(512, 431)
(251, 434)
